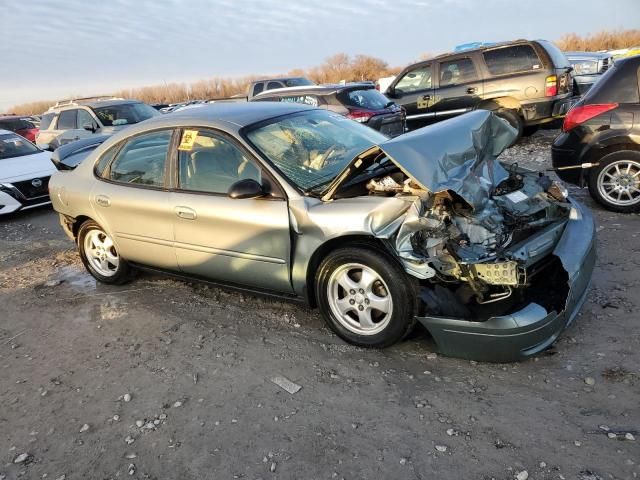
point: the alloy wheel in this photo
(101, 253)
(359, 299)
(619, 183)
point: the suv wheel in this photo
(514, 120)
(615, 183)
(365, 297)
(99, 255)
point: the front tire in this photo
(99, 255)
(615, 183)
(365, 297)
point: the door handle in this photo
(186, 213)
(103, 200)
(471, 90)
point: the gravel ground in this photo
(162, 379)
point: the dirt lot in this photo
(196, 364)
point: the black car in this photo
(525, 82)
(600, 141)
(359, 101)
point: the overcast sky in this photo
(54, 49)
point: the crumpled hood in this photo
(458, 155)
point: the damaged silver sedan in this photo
(494, 260)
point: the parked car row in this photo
(284, 194)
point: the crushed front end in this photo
(503, 257)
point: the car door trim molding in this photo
(201, 248)
(421, 115)
(229, 253)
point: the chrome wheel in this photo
(619, 183)
(359, 299)
(101, 253)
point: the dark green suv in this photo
(526, 82)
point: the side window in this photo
(214, 164)
(272, 85)
(415, 80)
(518, 58)
(46, 120)
(85, 118)
(455, 72)
(141, 161)
(264, 98)
(104, 161)
(258, 88)
(67, 120)
(305, 99)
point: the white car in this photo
(24, 173)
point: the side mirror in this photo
(391, 92)
(247, 188)
(89, 127)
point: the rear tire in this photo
(615, 183)
(365, 297)
(99, 255)
(514, 120)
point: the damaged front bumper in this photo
(530, 330)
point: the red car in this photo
(22, 127)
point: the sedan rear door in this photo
(239, 241)
(131, 199)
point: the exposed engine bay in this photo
(443, 239)
(476, 231)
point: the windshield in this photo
(125, 114)
(312, 148)
(15, 146)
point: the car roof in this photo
(239, 114)
(90, 103)
(322, 89)
(279, 79)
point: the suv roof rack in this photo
(75, 101)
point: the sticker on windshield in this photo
(188, 139)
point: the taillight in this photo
(361, 116)
(551, 86)
(581, 113)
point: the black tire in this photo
(121, 273)
(621, 158)
(514, 120)
(395, 283)
(530, 130)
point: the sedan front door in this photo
(239, 241)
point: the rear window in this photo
(370, 99)
(298, 82)
(15, 124)
(12, 145)
(46, 120)
(619, 84)
(514, 59)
